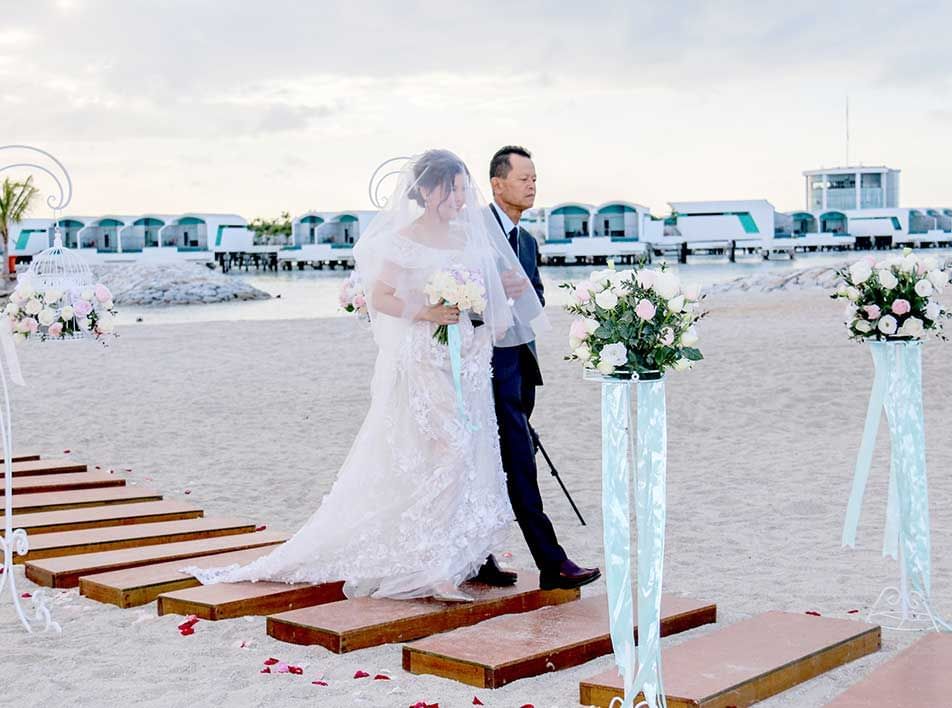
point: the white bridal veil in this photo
(387, 252)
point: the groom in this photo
(516, 374)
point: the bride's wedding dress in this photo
(421, 498)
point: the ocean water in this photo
(313, 293)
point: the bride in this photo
(421, 500)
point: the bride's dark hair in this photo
(435, 168)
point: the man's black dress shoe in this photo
(567, 576)
(491, 574)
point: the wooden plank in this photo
(143, 584)
(68, 543)
(53, 501)
(43, 483)
(24, 468)
(65, 571)
(918, 676)
(366, 622)
(228, 600)
(102, 516)
(504, 649)
(25, 458)
(749, 661)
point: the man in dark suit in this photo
(516, 374)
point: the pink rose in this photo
(102, 293)
(583, 291)
(578, 330)
(645, 309)
(30, 324)
(359, 301)
(55, 329)
(921, 268)
(873, 312)
(901, 307)
(82, 307)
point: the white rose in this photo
(605, 367)
(667, 285)
(25, 292)
(887, 279)
(860, 272)
(852, 293)
(841, 290)
(912, 327)
(646, 278)
(692, 292)
(924, 288)
(939, 279)
(933, 310)
(87, 294)
(68, 313)
(676, 304)
(887, 325)
(33, 306)
(930, 263)
(864, 326)
(606, 299)
(909, 264)
(106, 325)
(53, 295)
(907, 251)
(19, 338)
(682, 364)
(46, 317)
(583, 353)
(12, 309)
(689, 338)
(615, 354)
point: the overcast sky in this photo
(257, 107)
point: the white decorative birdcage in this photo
(59, 268)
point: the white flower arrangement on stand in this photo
(634, 321)
(49, 313)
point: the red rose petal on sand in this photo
(296, 670)
(261, 528)
(26, 595)
(381, 677)
(66, 452)
(361, 674)
(128, 469)
(424, 704)
(188, 491)
(265, 670)
(98, 467)
(319, 683)
(852, 612)
(189, 622)
(813, 613)
(476, 701)
(185, 631)
(271, 661)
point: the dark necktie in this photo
(514, 239)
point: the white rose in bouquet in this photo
(689, 338)
(87, 294)
(33, 306)
(864, 326)
(860, 272)
(615, 354)
(676, 304)
(583, 352)
(933, 310)
(67, 313)
(667, 285)
(682, 365)
(605, 367)
(887, 279)
(106, 324)
(930, 263)
(887, 325)
(12, 309)
(924, 288)
(46, 317)
(692, 292)
(53, 296)
(909, 264)
(606, 299)
(646, 278)
(912, 327)
(841, 290)
(939, 279)
(852, 293)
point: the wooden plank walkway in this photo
(42, 483)
(65, 571)
(25, 458)
(746, 662)
(53, 501)
(143, 584)
(918, 676)
(67, 543)
(228, 600)
(25, 468)
(503, 649)
(365, 622)
(102, 516)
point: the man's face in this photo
(518, 188)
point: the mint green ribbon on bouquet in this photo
(640, 671)
(454, 342)
(897, 388)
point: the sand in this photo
(254, 419)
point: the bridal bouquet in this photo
(352, 297)
(634, 321)
(893, 298)
(457, 286)
(55, 314)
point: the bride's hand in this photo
(441, 314)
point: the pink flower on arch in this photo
(873, 312)
(901, 306)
